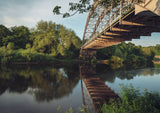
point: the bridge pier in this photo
(88, 54)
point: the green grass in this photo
(23, 55)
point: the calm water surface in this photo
(42, 89)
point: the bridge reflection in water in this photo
(98, 92)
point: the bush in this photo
(129, 53)
(115, 59)
(23, 55)
(28, 46)
(10, 45)
(132, 58)
(132, 101)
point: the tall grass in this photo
(23, 55)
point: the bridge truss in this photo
(101, 18)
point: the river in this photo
(45, 88)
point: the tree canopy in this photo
(17, 35)
(128, 52)
(43, 43)
(55, 39)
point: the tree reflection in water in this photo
(107, 73)
(45, 83)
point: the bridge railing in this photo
(102, 19)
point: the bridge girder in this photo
(99, 18)
(102, 22)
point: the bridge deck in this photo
(132, 27)
(127, 21)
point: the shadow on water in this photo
(45, 83)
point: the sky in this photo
(29, 12)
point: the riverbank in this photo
(29, 56)
(56, 61)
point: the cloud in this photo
(145, 41)
(29, 12)
(12, 11)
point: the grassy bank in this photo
(28, 56)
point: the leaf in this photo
(56, 10)
(66, 15)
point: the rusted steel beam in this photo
(95, 4)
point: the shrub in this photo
(132, 58)
(10, 45)
(132, 101)
(115, 59)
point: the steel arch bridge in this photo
(128, 19)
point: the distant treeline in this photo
(43, 43)
(128, 53)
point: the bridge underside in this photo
(132, 27)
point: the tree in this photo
(28, 45)
(86, 5)
(80, 7)
(157, 49)
(20, 36)
(4, 32)
(44, 37)
(7, 39)
(47, 37)
(55, 39)
(17, 35)
(10, 45)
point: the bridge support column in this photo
(88, 54)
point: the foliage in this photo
(18, 35)
(83, 6)
(44, 43)
(80, 7)
(127, 53)
(132, 101)
(55, 39)
(23, 55)
(157, 48)
(117, 60)
(10, 45)
(4, 32)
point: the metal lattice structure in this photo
(101, 18)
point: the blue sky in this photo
(29, 12)
(145, 41)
